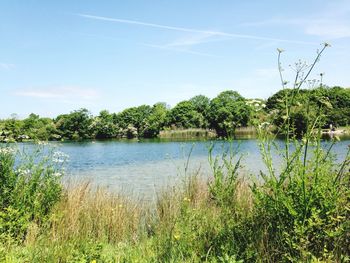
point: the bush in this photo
(30, 186)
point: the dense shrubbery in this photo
(332, 105)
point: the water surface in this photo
(143, 167)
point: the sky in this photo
(59, 56)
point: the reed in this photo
(187, 134)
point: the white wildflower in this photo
(7, 151)
(57, 174)
(264, 125)
(23, 172)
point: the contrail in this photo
(184, 29)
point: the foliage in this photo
(29, 188)
(75, 126)
(227, 112)
(332, 104)
(202, 105)
(131, 119)
(184, 115)
(224, 114)
(154, 122)
(104, 126)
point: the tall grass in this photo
(302, 210)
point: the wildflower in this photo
(7, 151)
(57, 174)
(264, 125)
(176, 236)
(23, 172)
(187, 199)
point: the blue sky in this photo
(58, 56)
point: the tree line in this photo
(223, 114)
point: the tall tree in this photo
(227, 112)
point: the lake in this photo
(144, 167)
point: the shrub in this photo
(30, 186)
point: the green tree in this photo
(201, 104)
(227, 112)
(155, 121)
(76, 125)
(104, 126)
(131, 119)
(12, 128)
(336, 101)
(331, 105)
(184, 115)
(298, 114)
(39, 128)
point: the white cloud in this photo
(62, 93)
(6, 66)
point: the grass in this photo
(91, 224)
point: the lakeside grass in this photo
(92, 224)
